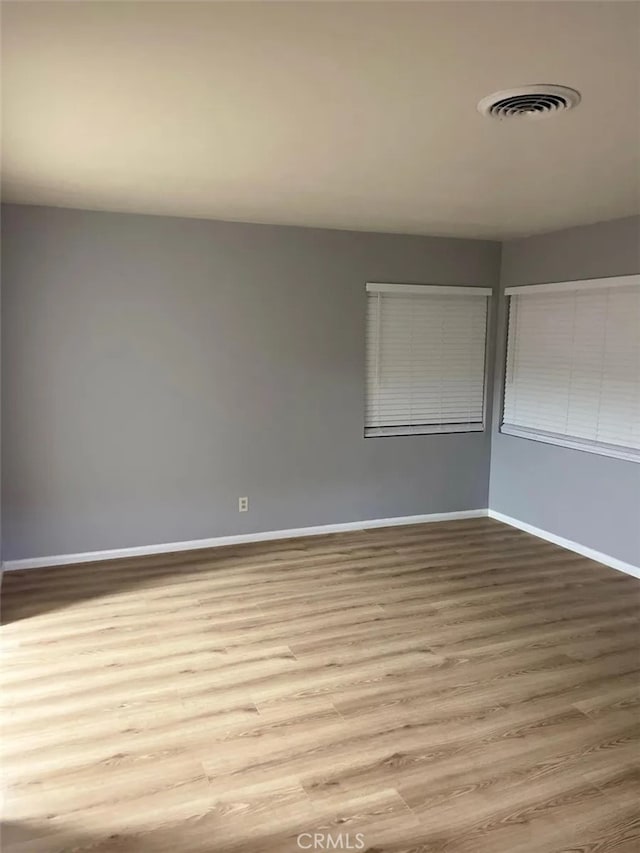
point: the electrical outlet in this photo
(243, 504)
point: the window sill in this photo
(627, 453)
(421, 429)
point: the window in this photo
(573, 365)
(425, 359)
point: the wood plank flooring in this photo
(444, 688)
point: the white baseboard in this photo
(607, 560)
(195, 544)
(319, 530)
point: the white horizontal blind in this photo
(425, 361)
(573, 368)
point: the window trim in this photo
(611, 450)
(406, 430)
(423, 429)
(628, 454)
(578, 284)
(435, 289)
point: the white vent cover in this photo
(532, 102)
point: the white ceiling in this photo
(343, 115)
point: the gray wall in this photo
(590, 499)
(156, 369)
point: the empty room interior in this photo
(320, 427)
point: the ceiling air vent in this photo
(537, 101)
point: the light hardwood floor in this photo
(458, 687)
